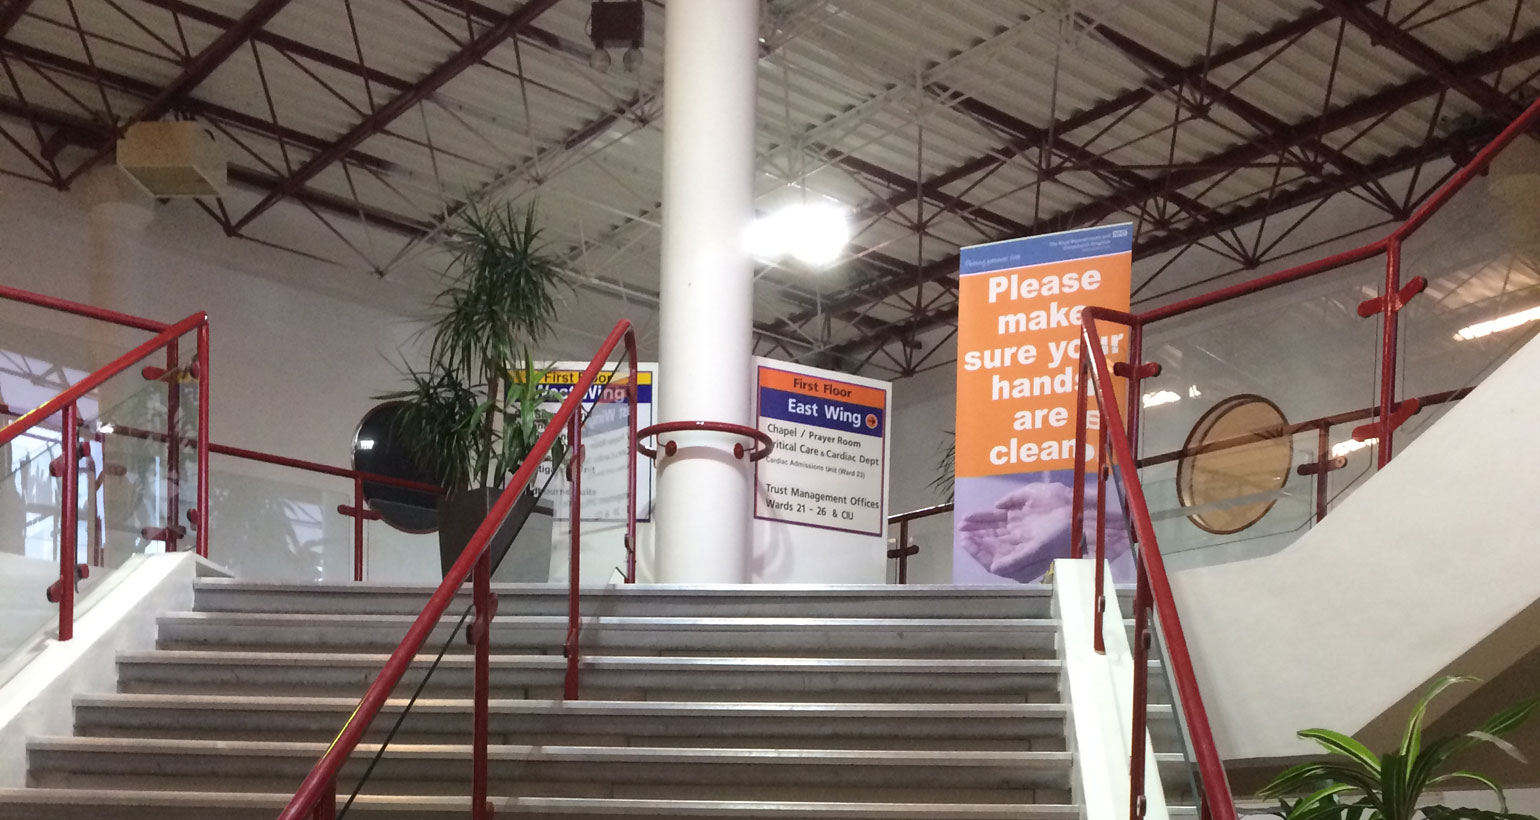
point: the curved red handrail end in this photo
(764, 444)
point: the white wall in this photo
(924, 417)
(1429, 568)
(293, 368)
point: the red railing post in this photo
(358, 528)
(631, 457)
(326, 809)
(1391, 309)
(201, 537)
(1135, 374)
(1077, 522)
(481, 584)
(173, 446)
(1099, 642)
(69, 473)
(1136, 799)
(1322, 467)
(574, 559)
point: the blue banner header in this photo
(1041, 250)
(819, 412)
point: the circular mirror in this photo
(1234, 462)
(377, 450)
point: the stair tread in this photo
(587, 707)
(627, 621)
(559, 589)
(375, 660)
(616, 754)
(554, 805)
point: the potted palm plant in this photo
(471, 413)
(1356, 784)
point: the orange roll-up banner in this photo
(1018, 354)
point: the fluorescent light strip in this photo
(1351, 446)
(1501, 323)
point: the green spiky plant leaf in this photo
(465, 419)
(1390, 786)
(945, 482)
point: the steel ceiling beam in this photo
(89, 133)
(1303, 195)
(1026, 135)
(282, 43)
(1363, 110)
(1275, 36)
(473, 52)
(146, 90)
(194, 72)
(1217, 95)
(11, 13)
(901, 182)
(1382, 32)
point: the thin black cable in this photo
(402, 717)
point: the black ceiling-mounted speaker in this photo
(617, 24)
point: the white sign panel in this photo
(821, 502)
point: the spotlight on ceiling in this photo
(616, 24)
(812, 233)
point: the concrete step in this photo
(744, 601)
(941, 726)
(603, 677)
(74, 804)
(869, 637)
(562, 771)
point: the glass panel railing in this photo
(127, 478)
(271, 523)
(1157, 720)
(1247, 496)
(29, 516)
(1272, 365)
(604, 481)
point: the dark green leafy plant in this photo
(945, 482)
(1365, 786)
(466, 417)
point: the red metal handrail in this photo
(764, 443)
(317, 794)
(27, 297)
(1153, 587)
(905, 550)
(66, 404)
(358, 511)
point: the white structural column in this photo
(705, 496)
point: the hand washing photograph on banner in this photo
(1020, 307)
(1011, 528)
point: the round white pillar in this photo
(705, 496)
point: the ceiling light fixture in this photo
(812, 233)
(616, 24)
(1501, 323)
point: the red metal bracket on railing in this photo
(1147, 370)
(56, 589)
(1402, 411)
(765, 443)
(902, 553)
(1369, 307)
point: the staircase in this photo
(856, 702)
